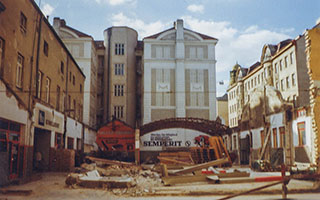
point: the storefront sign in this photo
(49, 120)
(169, 138)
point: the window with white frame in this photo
(48, 89)
(118, 90)
(118, 112)
(293, 79)
(39, 84)
(119, 69)
(19, 72)
(286, 61)
(23, 23)
(119, 49)
(280, 65)
(291, 58)
(282, 85)
(197, 87)
(287, 82)
(276, 68)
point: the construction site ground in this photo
(52, 186)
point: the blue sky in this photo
(242, 26)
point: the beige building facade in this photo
(44, 88)
(120, 74)
(179, 75)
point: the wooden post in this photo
(137, 147)
(164, 170)
(284, 183)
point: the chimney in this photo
(179, 28)
(56, 22)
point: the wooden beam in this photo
(109, 162)
(265, 144)
(171, 180)
(174, 161)
(201, 166)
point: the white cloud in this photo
(116, 2)
(318, 21)
(143, 29)
(47, 9)
(195, 8)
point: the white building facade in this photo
(179, 75)
(83, 49)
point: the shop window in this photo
(59, 141)
(4, 124)
(14, 137)
(3, 141)
(302, 133)
(14, 127)
(70, 143)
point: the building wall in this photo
(127, 37)
(83, 50)
(40, 54)
(222, 108)
(313, 60)
(179, 76)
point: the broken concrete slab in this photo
(109, 182)
(110, 162)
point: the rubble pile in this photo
(129, 180)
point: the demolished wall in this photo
(313, 60)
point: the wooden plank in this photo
(171, 180)
(266, 141)
(109, 162)
(202, 166)
(230, 175)
(173, 161)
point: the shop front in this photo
(13, 137)
(48, 124)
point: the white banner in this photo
(169, 138)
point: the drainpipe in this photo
(38, 57)
(109, 63)
(66, 105)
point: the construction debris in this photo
(120, 177)
(176, 158)
(201, 166)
